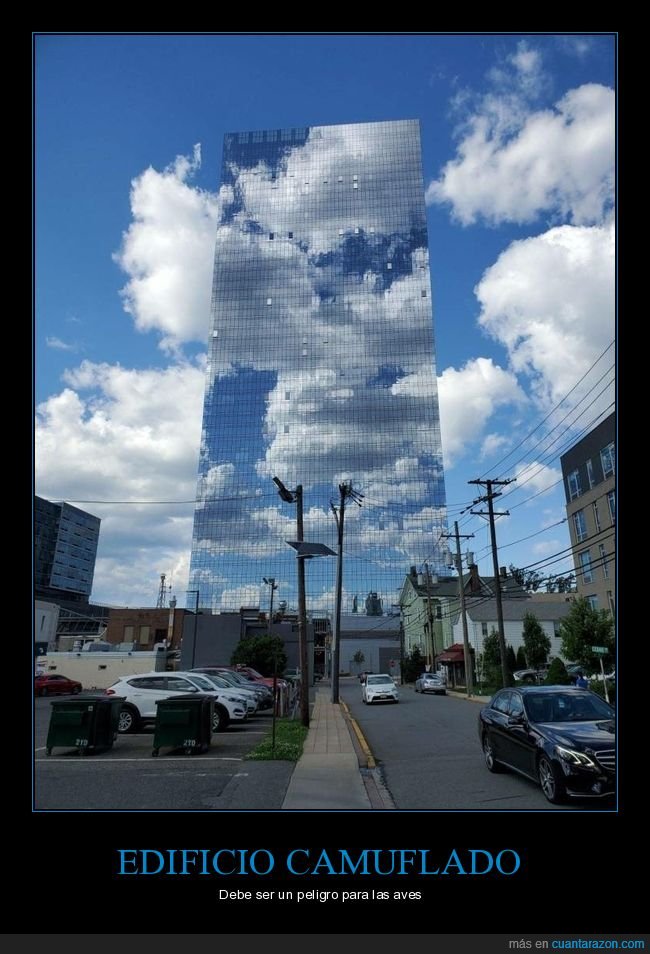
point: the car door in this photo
(498, 725)
(145, 690)
(519, 742)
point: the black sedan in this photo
(561, 737)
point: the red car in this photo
(51, 684)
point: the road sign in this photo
(599, 650)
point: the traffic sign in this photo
(599, 650)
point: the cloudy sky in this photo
(518, 152)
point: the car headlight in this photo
(231, 698)
(575, 758)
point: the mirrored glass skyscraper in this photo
(320, 369)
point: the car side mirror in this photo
(516, 719)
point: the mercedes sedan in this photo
(561, 737)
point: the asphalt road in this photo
(128, 778)
(428, 750)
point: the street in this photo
(428, 750)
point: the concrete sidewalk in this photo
(327, 776)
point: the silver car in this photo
(430, 682)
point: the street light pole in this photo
(296, 497)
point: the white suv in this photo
(142, 691)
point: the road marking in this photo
(71, 760)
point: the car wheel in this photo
(488, 754)
(127, 720)
(549, 779)
(220, 719)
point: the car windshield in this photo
(381, 680)
(202, 681)
(566, 707)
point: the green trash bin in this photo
(184, 722)
(84, 723)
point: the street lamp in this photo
(196, 616)
(304, 551)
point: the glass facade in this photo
(65, 545)
(320, 369)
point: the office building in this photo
(65, 549)
(320, 368)
(589, 475)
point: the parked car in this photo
(238, 681)
(430, 682)
(54, 684)
(246, 696)
(561, 737)
(532, 675)
(142, 691)
(379, 687)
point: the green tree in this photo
(358, 657)
(492, 660)
(413, 665)
(583, 628)
(521, 659)
(259, 652)
(537, 644)
(511, 659)
(529, 579)
(557, 674)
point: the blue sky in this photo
(518, 146)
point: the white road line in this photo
(166, 758)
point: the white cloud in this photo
(548, 547)
(550, 301)
(137, 431)
(535, 477)
(59, 345)
(558, 161)
(167, 252)
(494, 444)
(468, 398)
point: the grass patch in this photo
(290, 736)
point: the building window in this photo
(484, 629)
(269, 301)
(271, 236)
(128, 634)
(289, 234)
(573, 484)
(603, 559)
(585, 563)
(590, 473)
(144, 634)
(287, 395)
(596, 516)
(580, 525)
(424, 294)
(610, 600)
(286, 428)
(607, 460)
(611, 501)
(593, 601)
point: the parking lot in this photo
(127, 777)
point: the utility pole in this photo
(302, 618)
(467, 656)
(489, 497)
(430, 615)
(345, 491)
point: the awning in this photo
(451, 655)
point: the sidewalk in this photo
(327, 775)
(331, 774)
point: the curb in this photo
(371, 764)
